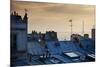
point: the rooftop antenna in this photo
(25, 10)
(48, 28)
(71, 25)
(93, 26)
(83, 27)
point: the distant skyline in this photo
(55, 16)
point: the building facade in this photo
(18, 32)
(18, 37)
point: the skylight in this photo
(72, 54)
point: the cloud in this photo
(53, 7)
(55, 16)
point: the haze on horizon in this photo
(44, 16)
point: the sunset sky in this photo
(55, 16)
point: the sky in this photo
(43, 16)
